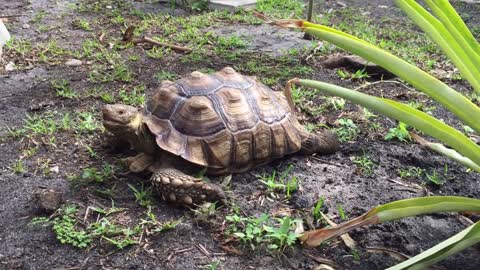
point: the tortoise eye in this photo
(121, 112)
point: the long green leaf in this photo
(415, 118)
(458, 37)
(450, 153)
(442, 93)
(464, 239)
(393, 211)
(439, 33)
(458, 23)
(424, 205)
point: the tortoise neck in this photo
(142, 140)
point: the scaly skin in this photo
(175, 186)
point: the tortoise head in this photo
(122, 120)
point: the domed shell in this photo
(224, 121)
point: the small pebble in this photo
(10, 67)
(55, 169)
(73, 63)
(25, 26)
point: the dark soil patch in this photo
(335, 177)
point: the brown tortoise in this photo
(226, 122)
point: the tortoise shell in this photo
(224, 121)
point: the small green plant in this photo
(410, 172)
(62, 87)
(212, 266)
(249, 231)
(39, 16)
(134, 97)
(283, 236)
(347, 130)
(359, 74)
(19, 167)
(40, 124)
(156, 52)
(276, 184)
(163, 75)
(317, 209)
(399, 132)
(364, 164)
(86, 123)
(142, 196)
(82, 24)
(98, 176)
(341, 212)
(66, 122)
(66, 231)
(437, 178)
(336, 103)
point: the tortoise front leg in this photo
(138, 163)
(176, 186)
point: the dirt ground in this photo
(58, 157)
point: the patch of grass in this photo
(156, 52)
(364, 164)
(142, 196)
(357, 75)
(90, 49)
(275, 234)
(347, 130)
(96, 175)
(86, 123)
(82, 24)
(51, 51)
(66, 230)
(19, 167)
(81, 232)
(134, 97)
(38, 17)
(19, 46)
(40, 124)
(163, 75)
(410, 172)
(281, 8)
(103, 74)
(276, 184)
(62, 88)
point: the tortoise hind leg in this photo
(325, 142)
(176, 186)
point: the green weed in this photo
(63, 89)
(364, 164)
(142, 196)
(347, 130)
(399, 132)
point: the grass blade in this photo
(464, 239)
(404, 113)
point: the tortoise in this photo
(225, 122)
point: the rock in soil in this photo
(47, 199)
